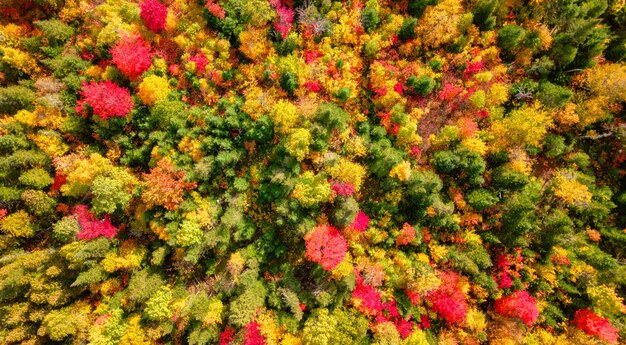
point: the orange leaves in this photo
(164, 186)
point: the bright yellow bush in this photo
(347, 171)
(569, 189)
(284, 115)
(153, 89)
(17, 224)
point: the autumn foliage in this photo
(326, 246)
(132, 56)
(312, 172)
(105, 100)
(164, 186)
(90, 226)
(154, 14)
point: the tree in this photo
(524, 126)
(520, 304)
(132, 56)
(164, 186)
(483, 14)
(326, 246)
(105, 100)
(154, 15)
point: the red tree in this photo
(595, 325)
(132, 56)
(253, 335)
(326, 246)
(448, 300)
(154, 15)
(520, 304)
(90, 227)
(360, 222)
(105, 99)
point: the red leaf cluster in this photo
(343, 188)
(227, 336)
(368, 301)
(596, 325)
(90, 227)
(253, 335)
(201, 62)
(326, 246)
(448, 300)
(406, 236)
(154, 15)
(360, 222)
(215, 9)
(520, 304)
(105, 99)
(284, 21)
(132, 56)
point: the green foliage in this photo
(519, 217)
(188, 233)
(311, 190)
(345, 211)
(289, 82)
(244, 306)
(483, 14)
(370, 17)
(93, 275)
(553, 95)
(407, 30)
(65, 229)
(509, 36)
(416, 8)
(143, 285)
(55, 31)
(15, 98)
(59, 324)
(168, 114)
(471, 164)
(336, 327)
(577, 37)
(423, 85)
(554, 145)
(109, 195)
(508, 179)
(37, 178)
(157, 307)
(38, 202)
(481, 199)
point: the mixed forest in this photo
(312, 172)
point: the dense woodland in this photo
(312, 172)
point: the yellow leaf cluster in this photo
(439, 25)
(153, 89)
(524, 126)
(130, 257)
(401, 171)
(254, 45)
(347, 171)
(284, 115)
(19, 60)
(570, 190)
(476, 320)
(606, 301)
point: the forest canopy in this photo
(312, 172)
